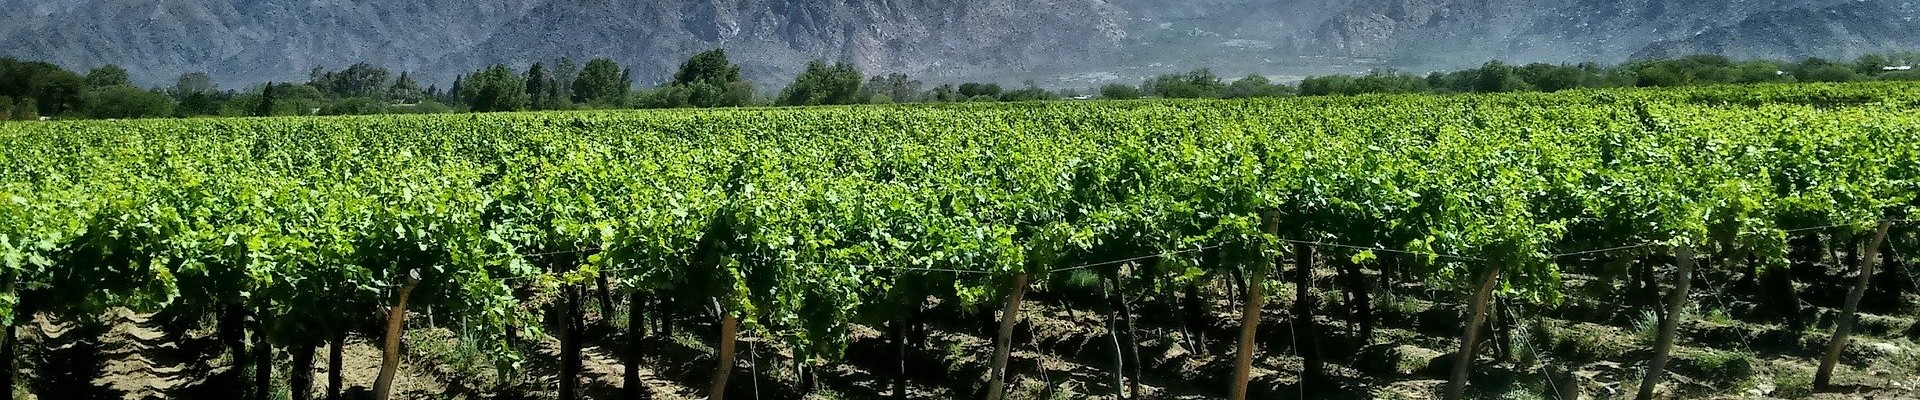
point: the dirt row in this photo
(1728, 348)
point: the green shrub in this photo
(1793, 384)
(1394, 359)
(824, 394)
(355, 106)
(1581, 342)
(1525, 390)
(1401, 305)
(1719, 316)
(460, 356)
(1040, 390)
(1724, 369)
(955, 357)
(1647, 328)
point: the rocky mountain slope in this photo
(1056, 40)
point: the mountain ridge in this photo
(1062, 42)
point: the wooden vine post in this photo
(262, 358)
(1120, 330)
(897, 332)
(300, 379)
(390, 350)
(1676, 302)
(570, 345)
(997, 377)
(1312, 365)
(1844, 325)
(729, 329)
(632, 390)
(334, 355)
(1470, 338)
(1250, 316)
(7, 344)
(1113, 334)
(1126, 325)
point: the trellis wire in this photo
(1525, 341)
(1746, 345)
(1162, 254)
(1082, 266)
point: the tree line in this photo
(33, 89)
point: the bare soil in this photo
(1587, 347)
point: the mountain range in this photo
(1059, 42)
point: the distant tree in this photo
(496, 88)
(197, 95)
(1168, 86)
(1254, 86)
(199, 104)
(708, 66)
(601, 84)
(1119, 91)
(192, 83)
(944, 93)
(1206, 82)
(565, 71)
(1821, 70)
(457, 92)
(971, 90)
(53, 91)
(896, 86)
(1386, 81)
(903, 88)
(1908, 75)
(405, 90)
(124, 101)
(355, 106)
(875, 86)
(1199, 83)
(540, 88)
(6, 108)
(108, 75)
(26, 109)
(824, 84)
(1595, 76)
(1549, 77)
(1659, 76)
(1439, 82)
(1030, 91)
(708, 79)
(296, 99)
(626, 81)
(1760, 72)
(1690, 70)
(556, 96)
(661, 97)
(1495, 77)
(1326, 85)
(56, 93)
(358, 80)
(265, 107)
(1870, 64)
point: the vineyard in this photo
(1741, 242)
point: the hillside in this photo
(1055, 40)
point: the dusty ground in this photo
(1589, 348)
